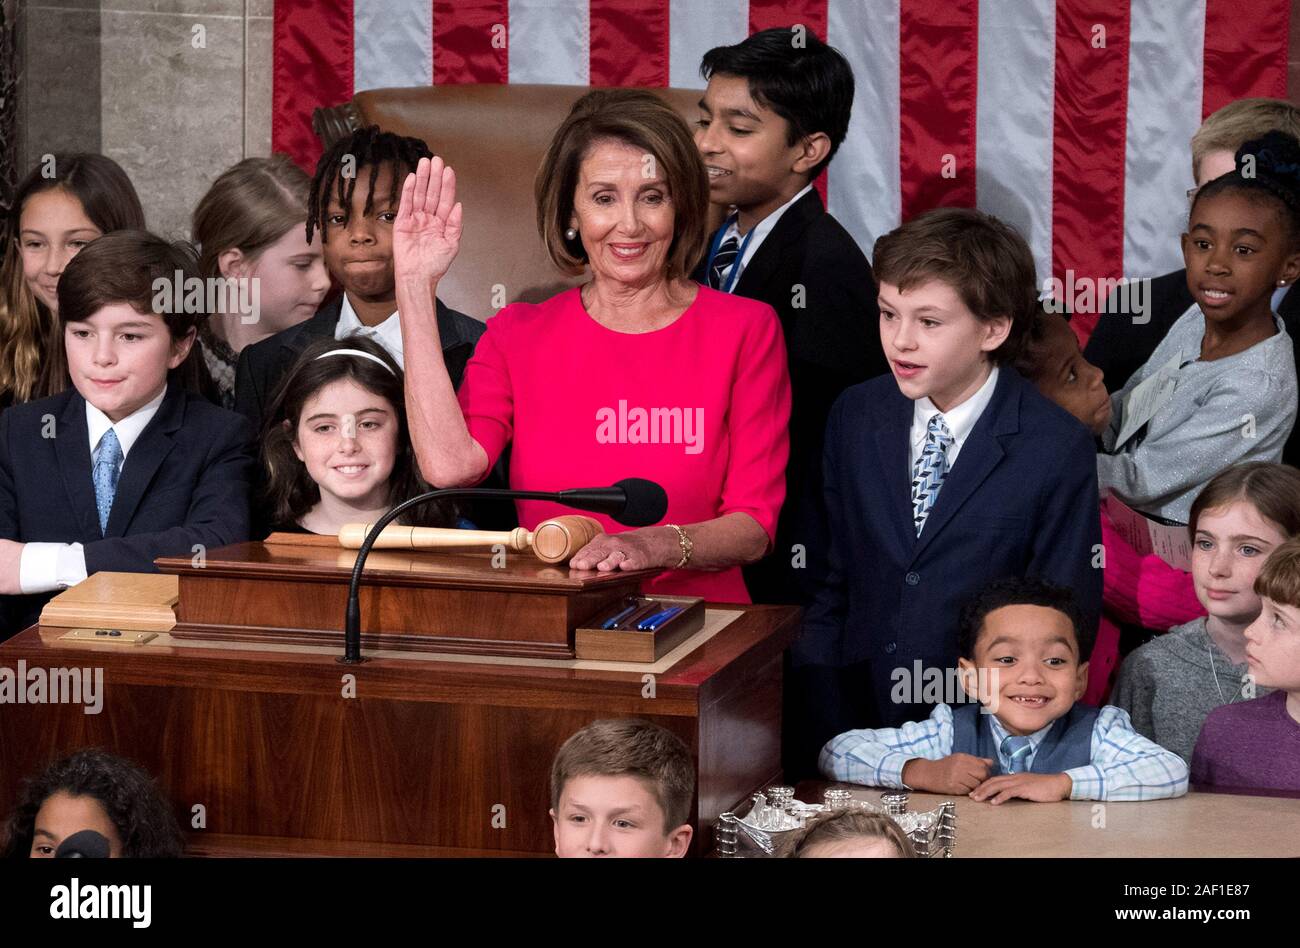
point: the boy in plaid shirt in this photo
(1026, 737)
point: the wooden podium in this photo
(294, 593)
(439, 744)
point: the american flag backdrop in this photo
(1068, 118)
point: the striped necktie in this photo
(1016, 749)
(930, 470)
(724, 258)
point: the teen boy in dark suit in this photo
(772, 117)
(125, 466)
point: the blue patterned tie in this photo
(931, 468)
(105, 475)
(725, 257)
(1016, 749)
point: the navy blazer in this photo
(812, 272)
(184, 482)
(1020, 501)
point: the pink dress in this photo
(701, 406)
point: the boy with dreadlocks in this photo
(352, 204)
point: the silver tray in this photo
(760, 829)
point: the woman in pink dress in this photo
(640, 372)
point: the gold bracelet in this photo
(687, 546)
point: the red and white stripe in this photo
(1068, 118)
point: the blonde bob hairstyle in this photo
(640, 119)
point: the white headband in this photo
(358, 352)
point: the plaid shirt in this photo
(1124, 766)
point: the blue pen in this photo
(659, 618)
(613, 621)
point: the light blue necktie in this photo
(1016, 749)
(930, 470)
(105, 475)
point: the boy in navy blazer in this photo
(125, 466)
(950, 473)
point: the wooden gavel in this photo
(554, 540)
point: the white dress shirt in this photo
(43, 567)
(388, 333)
(760, 232)
(960, 420)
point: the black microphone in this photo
(83, 844)
(633, 502)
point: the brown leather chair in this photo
(495, 137)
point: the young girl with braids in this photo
(351, 205)
(1228, 359)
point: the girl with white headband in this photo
(336, 448)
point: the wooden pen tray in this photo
(639, 645)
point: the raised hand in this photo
(426, 232)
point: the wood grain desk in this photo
(435, 754)
(1197, 825)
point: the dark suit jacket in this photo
(832, 341)
(1020, 501)
(263, 364)
(1119, 347)
(185, 482)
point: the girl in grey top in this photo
(1240, 408)
(1221, 386)
(1171, 684)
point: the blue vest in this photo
(1068, 744)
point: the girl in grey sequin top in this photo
(1228, 360)
(1207, 423)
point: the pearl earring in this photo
(570, 234)
(1281, 282)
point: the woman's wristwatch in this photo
(687, 546)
